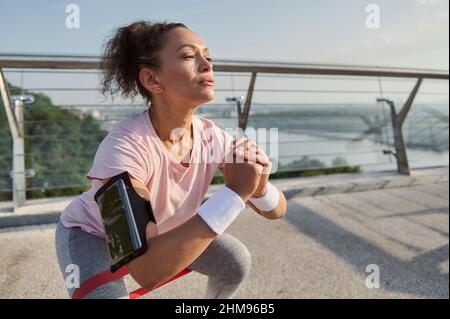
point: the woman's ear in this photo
(149, 81)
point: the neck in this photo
(165, 119)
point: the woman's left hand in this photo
(250, 151)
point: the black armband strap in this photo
(125, 215)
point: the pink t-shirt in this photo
(175, 191)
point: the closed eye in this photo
(192, 56)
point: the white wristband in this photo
(269, 200)
(221, 209)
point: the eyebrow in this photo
(192, 46)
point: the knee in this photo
(240, 267)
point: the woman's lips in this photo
(207, 83)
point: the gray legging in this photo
(226, 262)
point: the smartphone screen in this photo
(118, 220)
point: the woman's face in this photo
(185, 63)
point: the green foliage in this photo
(314, 167)
(339, 161)
(60, 145)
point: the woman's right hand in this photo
(241, 175)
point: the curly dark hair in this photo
(123, 56)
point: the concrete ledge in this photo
(29, 219)
(47, 211)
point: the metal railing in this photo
(249, 114)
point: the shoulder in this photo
(125, 138)
(135, 125)
(127, 132)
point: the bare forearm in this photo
(171, 252)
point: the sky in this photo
(411, 33)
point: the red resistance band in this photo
(107, 276)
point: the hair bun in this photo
(121, 58)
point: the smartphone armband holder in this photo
(125, 216)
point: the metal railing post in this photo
(16, 125)
(6, 98)
(19, 194)
(403, 167)
(15, 121)
(243, 117)
(397, 124)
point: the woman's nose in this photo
(206, 65)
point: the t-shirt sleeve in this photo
(118, 153)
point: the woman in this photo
(170, 67)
